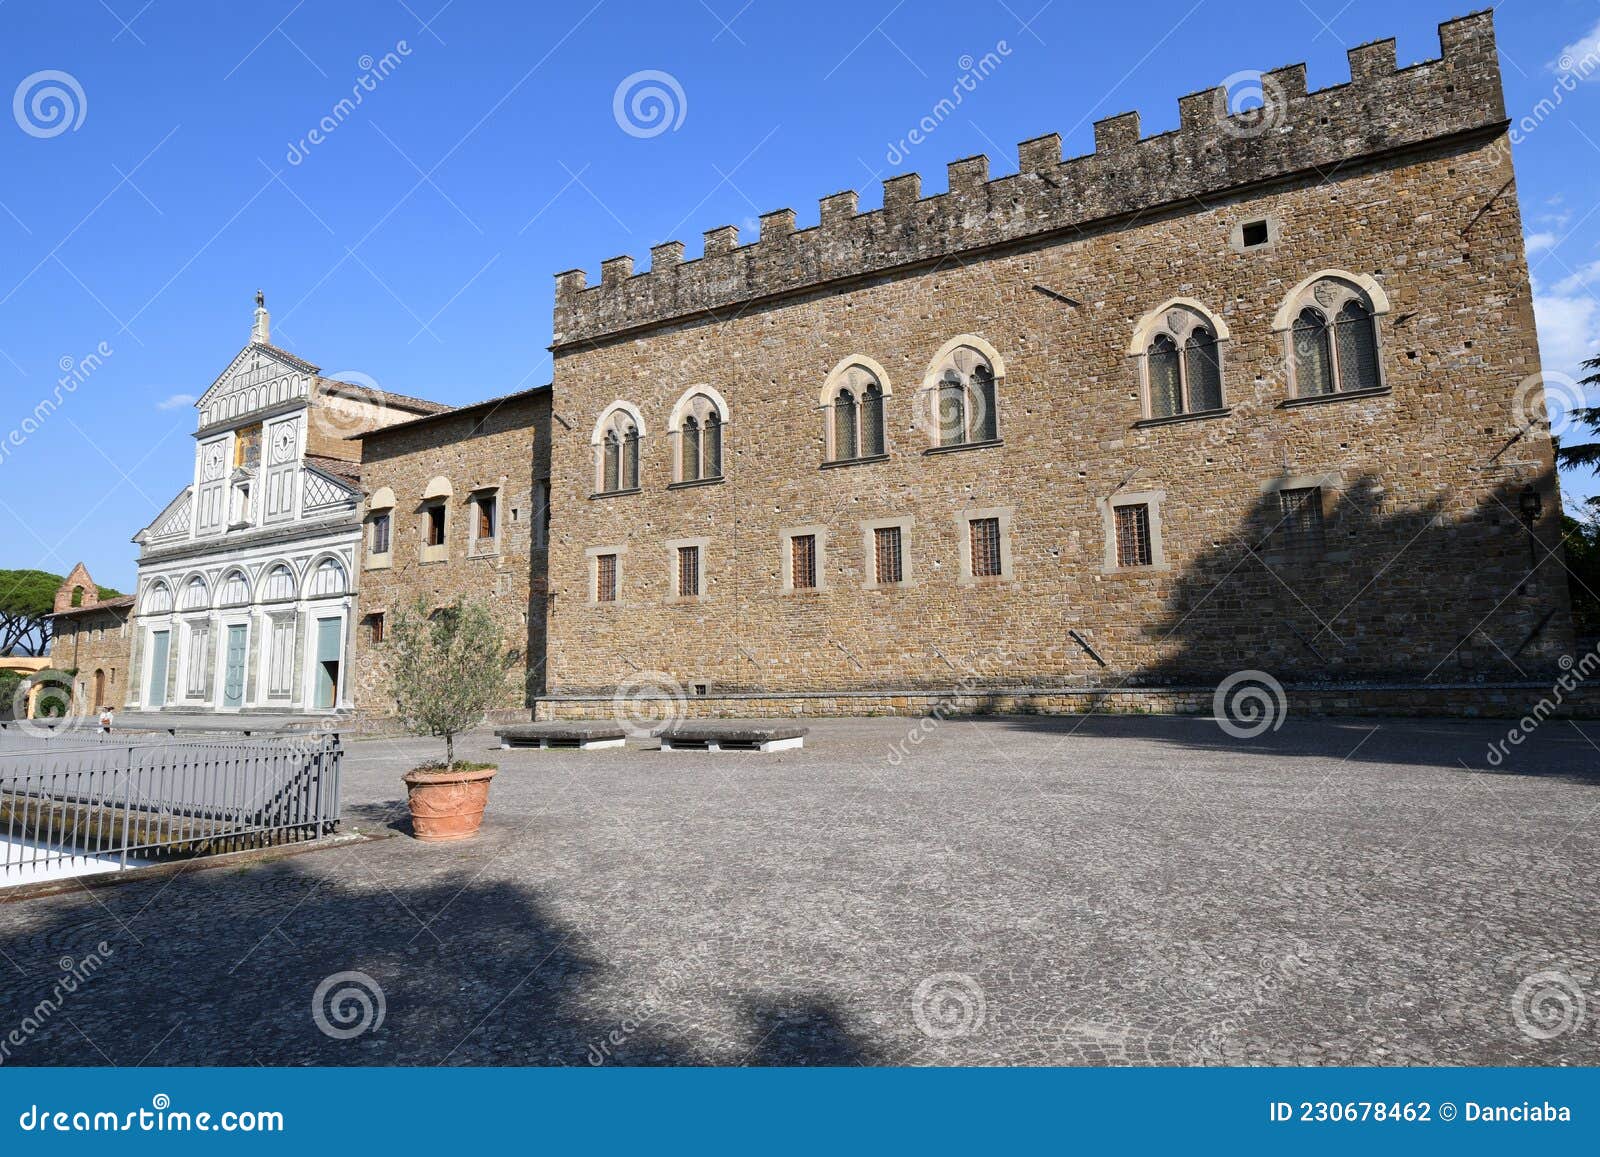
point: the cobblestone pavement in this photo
(1006, 891)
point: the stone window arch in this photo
(853, 402)
(157, 599)
(1329, 324)
(1179, 350)
(234, 590)
(961, 393)
(616, 444)
(696, 430)
(279, 585)
(196, 596)
(327, 579)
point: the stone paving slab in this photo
(1002, 891)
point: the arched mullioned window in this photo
(616, 441)
(195, 595)
(157, 599)
(852, 403)
(698, 424)
(1330, 324)
(962, 386)
(1179, 348)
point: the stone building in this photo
(1256, 393)
(457, 504)
(246, 589)
(90, 638)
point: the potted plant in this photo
(446, 668)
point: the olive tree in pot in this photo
(446, 668)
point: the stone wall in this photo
(1381, 109)
(1402, 178)
(93, 640)
(504, 444)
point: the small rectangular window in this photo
(377, 622)
(985, 534)
(888, 560)
(1255, 233)
(1133, 535)
(487, 510)
(803, 561)
(688, 571)
(605, 578)
(380, 534)
(1300, 518)
(435, 526)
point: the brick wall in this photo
(503, 444)
(1403, 178)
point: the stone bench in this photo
(730, 737)
(581, 734)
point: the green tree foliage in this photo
(1585, 454)
(26, 599)
(446, 668)
(1582, 540)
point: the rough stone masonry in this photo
(1395, 190)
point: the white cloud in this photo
(1539, 242)
(173, 401)
(1581, 57)
(1569, 328)
(1576, 281)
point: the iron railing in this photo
(86, 801)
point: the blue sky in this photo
(415, 243)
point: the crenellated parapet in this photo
(1381, 108)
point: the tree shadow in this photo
(289, 963)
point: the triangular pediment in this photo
(259, 376)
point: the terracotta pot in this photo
(447, 805)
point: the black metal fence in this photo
(83, 801)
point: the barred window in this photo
(803, 562)
(985, 533)
(889, 564)
(376, 622)
(605, 578)
(688, 571)
(1133, 535)
(1300, 518)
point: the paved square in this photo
(1002, 891)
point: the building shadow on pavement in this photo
(315, 960)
